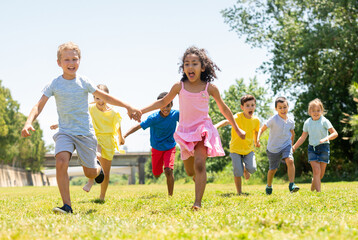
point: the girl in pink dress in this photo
(196, 134)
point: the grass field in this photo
(145, 212)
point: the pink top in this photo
(196, 125)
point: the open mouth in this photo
(251, 112)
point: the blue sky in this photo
(133, 47)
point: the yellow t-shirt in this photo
(250, 126)
(106, 125)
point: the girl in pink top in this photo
(196, 135)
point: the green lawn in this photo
(145, 212)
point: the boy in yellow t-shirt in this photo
(242, 150)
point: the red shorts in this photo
(160, 158)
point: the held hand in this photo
(25, 132)
(121, 141)
(293, 149)
(257, 144)
(242, 133)
(54, 126)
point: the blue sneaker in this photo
(293, 188)
(100, 177)
(268, 190)
(64, 209)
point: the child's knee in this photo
(91, 173)
(168, 171)
(289, 162)
(251, 169)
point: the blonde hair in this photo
(103, 88)
(67, 46)
(316, 102)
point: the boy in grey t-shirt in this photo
(75, 128)
(279, 147)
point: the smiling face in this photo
(248, 108)
(69, 62)
(193, 67)
(164, 111)
(282, 109)
(315, 112)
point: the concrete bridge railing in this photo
(128, 163)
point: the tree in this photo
(232, 99)
(314, 49)
(14, 150)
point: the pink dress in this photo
(195, 124)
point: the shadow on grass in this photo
(228, 195)
(150, 196)
(91, 211)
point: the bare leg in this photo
(189, 167)
(89, 185)
(290, 169)
(238, 184)
(106, 166)
(270, 175)
(246, 174)
(316, 181)
(170, 180)
(63, 182)
(200, 156)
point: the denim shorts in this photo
(319, 153)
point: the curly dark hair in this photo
(209, 74)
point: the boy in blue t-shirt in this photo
(279, 146)
(162, 126)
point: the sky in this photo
(134, 47)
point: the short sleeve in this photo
(293, 125)
(89, 85)
(257, 125)
(48, 90)
(117, 120)
(146, 123)
(268, 123)
(327, 124)
(305, 126)
(176, 115)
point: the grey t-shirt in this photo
(280, 133)
(72, 104)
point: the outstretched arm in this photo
(333, 135)
(35, 112)
(165, 100)
(222, 123)
(262, 129)
(300, 141)
(132, 130)
(225, 110)
(133, 113)
(120, 136)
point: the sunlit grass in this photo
(145, 212)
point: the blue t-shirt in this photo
(72, 104)
(317, 130)
(280, 133)
(162, 129)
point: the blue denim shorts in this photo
(319, 153)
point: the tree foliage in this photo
(232, 98)
(314, 47)
(14, 150)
